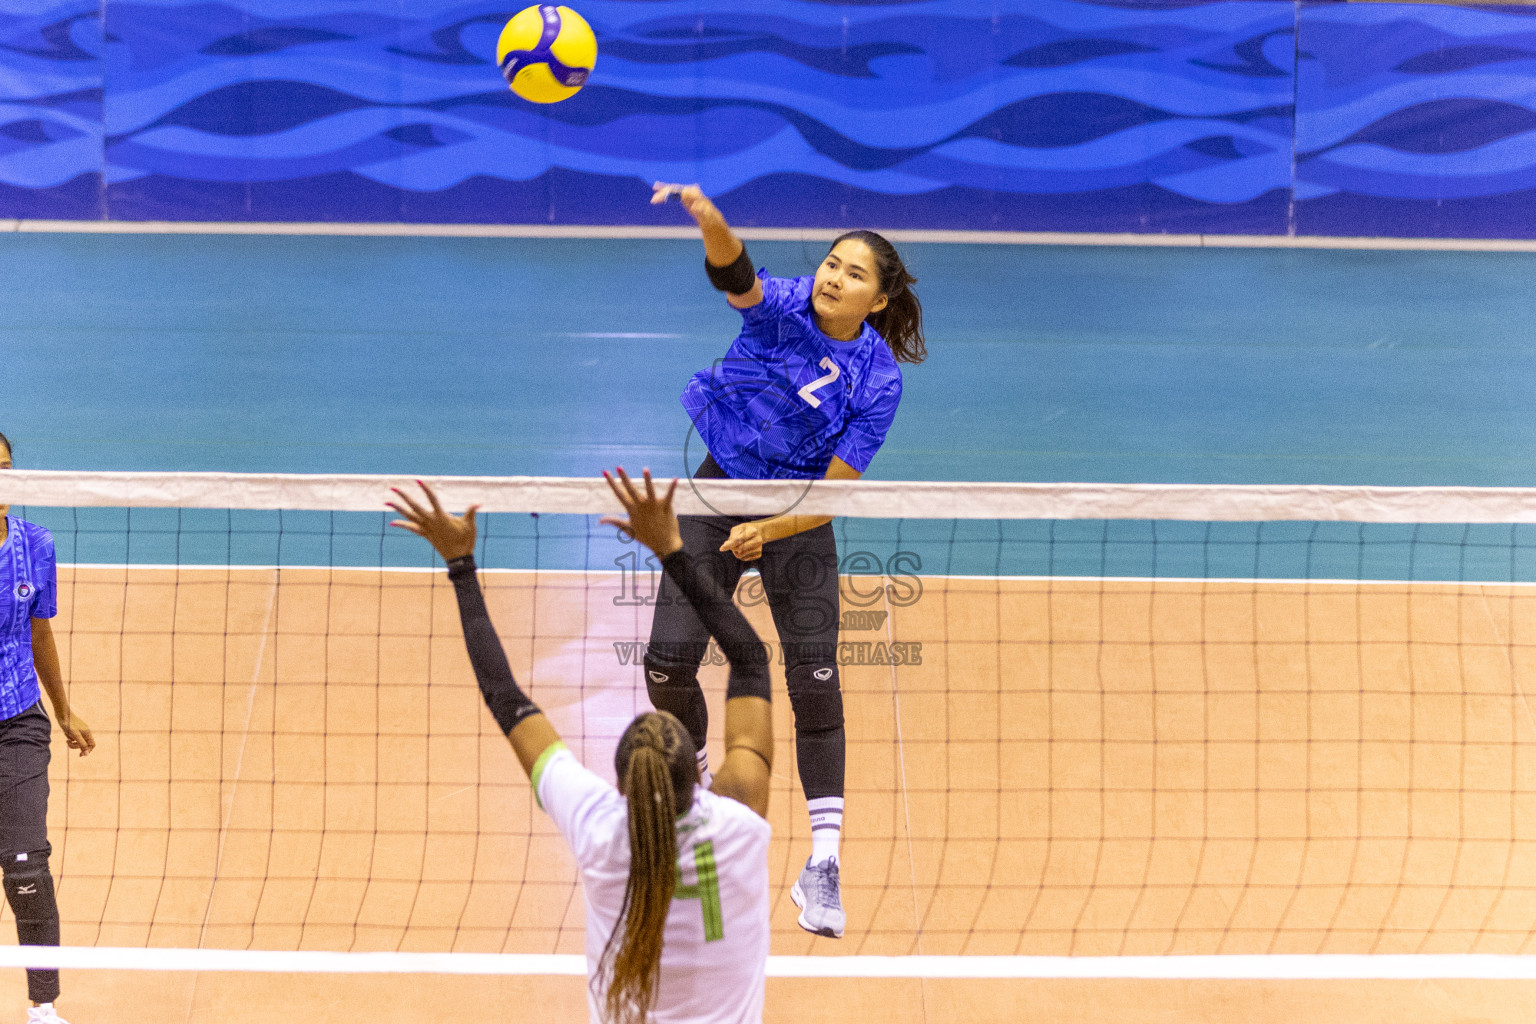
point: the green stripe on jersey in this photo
(706, 891)
(538, 768)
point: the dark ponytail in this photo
(657, 772)
(900, 323)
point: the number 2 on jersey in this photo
(706, 890)
(833, 373)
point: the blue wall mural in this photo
(1246, 116)
(1416, 120)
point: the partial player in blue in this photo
(807, 390)
(29, 664)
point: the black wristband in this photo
(731, 630)
(735, 279)
(508, 704)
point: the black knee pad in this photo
(29, 890)
(24, 865)
(816, 697)
(26, 874)
(675, 688)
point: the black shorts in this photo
(797, 576)
(24, 757)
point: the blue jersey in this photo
(786, 398)
(29, 589)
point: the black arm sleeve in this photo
(736, 277)
(730, 628)
(508, 703)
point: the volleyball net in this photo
(1118, 721)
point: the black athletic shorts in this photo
(24, 756)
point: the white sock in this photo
(826, 827)
(705, 776)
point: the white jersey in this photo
(714, 952)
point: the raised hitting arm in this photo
(525, 726)
(748, 767)
(725, 256)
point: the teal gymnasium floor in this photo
(429, 356)
(513, 356)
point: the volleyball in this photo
(546, 53)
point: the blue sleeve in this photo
(778, 292)
(46, 576)
(866, 428)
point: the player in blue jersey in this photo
(28, 600)
(807, 390)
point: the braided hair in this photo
(656, 767)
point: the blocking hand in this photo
(651, 519)
(452, 536)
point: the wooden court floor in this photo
(298, 759)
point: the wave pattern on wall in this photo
(1416, 120)
(1245, 116)
(51, 110)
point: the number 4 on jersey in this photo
(706, 890)
(833, 373)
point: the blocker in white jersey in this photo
(675, 875)
(715, 950)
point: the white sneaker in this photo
(817, 894)
(44, 1014)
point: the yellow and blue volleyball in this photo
(546, 53)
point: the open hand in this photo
(745, 542)
(651, 519)
(452, 536)
(692, 197)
